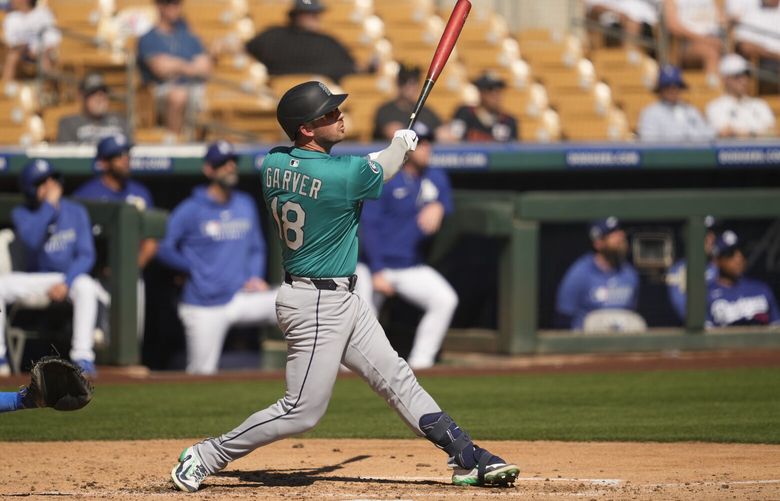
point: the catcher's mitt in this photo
(57, 383)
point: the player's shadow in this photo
(307, 476)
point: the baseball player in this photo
(393, 230)
(113, 184)
(733, 299)
(315, 200)
(214, 237)
(598, 280)
(57, 236)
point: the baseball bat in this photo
(442, 54)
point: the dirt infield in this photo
(394, 469)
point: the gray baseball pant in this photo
(323, 329)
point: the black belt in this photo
(324, 283)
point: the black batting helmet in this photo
(305, 102)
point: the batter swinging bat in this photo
(446, 44)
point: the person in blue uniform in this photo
(733, 299)
(60, 253)
(602, 279)
(394, 230)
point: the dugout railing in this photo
(123, 227)
(516, 219)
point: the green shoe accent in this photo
(464, 480)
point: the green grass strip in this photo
(735, 405)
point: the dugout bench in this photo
(123, 227)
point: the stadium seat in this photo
(281, 83)
(774, 103)
(404, 11)
(267, 13)
(632, 104)
(52, 116)
(543, 129)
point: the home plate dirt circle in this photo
(394, 470)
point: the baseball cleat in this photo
(189, 473)
(490, 471)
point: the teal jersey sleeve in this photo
(365, 179)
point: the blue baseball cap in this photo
(219, 153)
(34, 173)
(112, 146)
(670, 76)
(603, 227)
(725, 244)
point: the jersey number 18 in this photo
(290, 228)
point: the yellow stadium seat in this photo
(267, 13)
(279, 84)
(774, 102)
(155, 135)
(544, 129)
(404, 11)
(633, 104)
(53, 114)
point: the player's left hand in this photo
(430, 217)
(58, 292)
(256, 284)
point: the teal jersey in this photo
(315, 200)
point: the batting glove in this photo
(409, 138)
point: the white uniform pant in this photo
(33, 288)
(207, 326)
(425, 288)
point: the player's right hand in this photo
(381, 285)
(409, 138)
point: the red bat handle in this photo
(442, 54)
(448, 39)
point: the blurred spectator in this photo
(113, 184)
(700, 27)
(172, 59)
(676, 277)
(95, 121)
(301, 47)
(758, 37)
(60, 253)
(736, 114)
(29, 31)
(600, 280)
(487, 121)
(670, 119)
(733, 299)
(631, 15)
(214, 237)
(394, 230)
(736, 9)
(394, 115)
